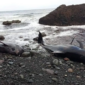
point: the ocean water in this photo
(23, 33)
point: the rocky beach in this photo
(36, 66)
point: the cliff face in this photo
(65, 15)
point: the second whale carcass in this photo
(11, 48)
(70, 51)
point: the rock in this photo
(10, 22)
(29, 58)
(70, 70)
(16, 21)
(40, 74)
(20, 36)
(72, 66)
(26, 54)
(50, 81)
(60, 62)
(22, 76)
(33, 52)
(48, 63)
(54, 79)
(30, 80)
(32, 75)
(65, 75)
(66, 59)
(79, 77)
(26, 39)
(35, 39)
(2, 37)
(27, 49)
(1, 66)
(20, 64)
(58, 68)
(1, 61)
(55, 62)
(82, 68)
(11, 63)
(48, 70)
(65, 15)
(7, 23)
(55, 72)
(43, 35)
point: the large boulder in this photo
(7, 23)
(2, 37)
(16, 21)
(65, 15)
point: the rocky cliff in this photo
(65, 15)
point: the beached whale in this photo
(72, 52)
(10, 48)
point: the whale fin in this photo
(40, 38)
(81, 44)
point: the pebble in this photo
(65, 75)
(55, 72)
(22, 76)
(54, 79)
(48, 70)
(20, 64)
(27, 48)
(72, 65)
(0, 66)
(48, 63)
(1, 61)
(10, 63)
(50, 82)
(29, 58)
(26, 54)
(40, 74)
(78, 77)
(66, 59)
(27, 70)
(32, 75)
(55, 62)
(33, 52)
(30, 80)
(82, 68)
(58, 68)
(70, 70)
(60, 62)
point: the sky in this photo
(10, 5)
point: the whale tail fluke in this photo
(40, 38)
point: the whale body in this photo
(73, 52)
(11, 48)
